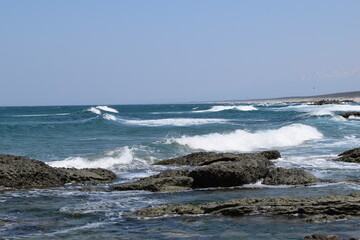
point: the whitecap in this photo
(178, 122)
(352, 117)
(322, 110)
(243, 141)
(108, 160)
(224, 108)
(107, 109)
(94, 110)
(109, 117)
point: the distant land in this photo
(354, 96)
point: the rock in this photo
(330, 101)
(22, 173)
(352, 156)
(326, 237)
(207, 158)
(170, 180)
(230, 174)
(350, 114)
(282, 176)
(335, 205)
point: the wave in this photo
(244, 141)
(108, 160)
(109, 117)
(323, 110)
(178, 122)
(224, 108)
(354, 117)
(107, 109)
(94, 110)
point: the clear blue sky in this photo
(141, 51)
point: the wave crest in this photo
(107, 109)
(224, 108)
(243, 141)
(178, 122)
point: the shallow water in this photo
(128, 138)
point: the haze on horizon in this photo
(135, 52)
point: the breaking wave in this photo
(178, 122)
(323, 110)
(108, 160)
(107, 109)
(243, 141)
(94, 110)
(224, 108)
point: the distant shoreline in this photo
(353, 96)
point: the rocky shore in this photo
(219, 170)
(23, 173)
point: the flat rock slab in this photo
(327, 237)
(331, 206)
(207, 158)
(23, 173)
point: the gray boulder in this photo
(348, 114)
(352, 156)
(282, 176)
(22, 173)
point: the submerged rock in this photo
(326, 237)
(351, 156)
(170, 180)
(207, 158)
(336, 205)
(21, 172)
(282, 176)
(331, 101)
(350, 114)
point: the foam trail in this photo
(224, 108)
(107, 109)
(179, 122)
(42, 115)
(109, 117)
(109, 160)
(94, 110)
(324, 109)
(243, 141)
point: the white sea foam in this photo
(354, 117)
(107, 109)
(108, 160)
(224, 108)
(179, 122)
(323, 110)
(109, 117)
(242, 141)
(94, 110)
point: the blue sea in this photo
(127, 139)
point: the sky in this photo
(81, 52)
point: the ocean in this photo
(127, 139)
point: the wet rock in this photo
(22, 173)
(229, 174)
(207, 158)
(282, 176)
(349, 114)
(352, 156)
(332, 206)
(170, 180)
(326, 237)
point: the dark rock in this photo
(231, 173)
(336, 205)
(331, 101)
(22, 173)
(348, 114)
(207, 158)
(282, 176)
(326, 237)
(352, 156)
(170, 180)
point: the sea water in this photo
(127, 139)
